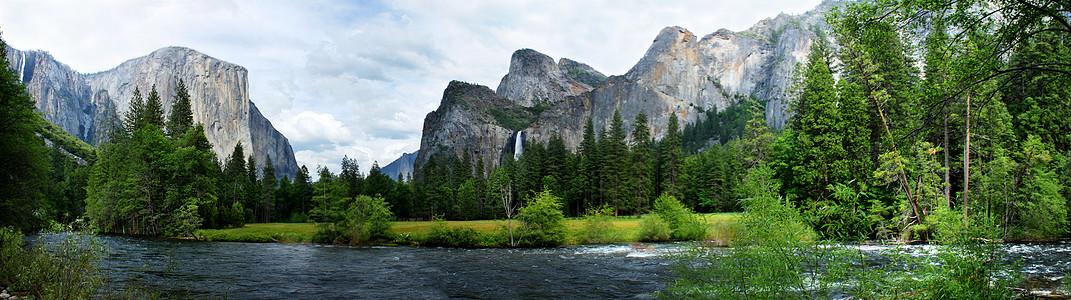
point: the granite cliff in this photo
(80, 103)
(401, 167)
(680, 73)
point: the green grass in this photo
(262, 233)
(722, 227)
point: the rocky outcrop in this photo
(471, 118)
(81, 103)
(62, 95)
(679, 73)
(401, 167)
(534, 79)
(219, 98)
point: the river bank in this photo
(623, 230)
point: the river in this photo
(314, 271)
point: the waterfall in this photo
(518, 145)
(22, 65)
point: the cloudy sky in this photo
(357, 78)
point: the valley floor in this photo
(625, 229)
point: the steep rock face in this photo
(581, 72)
(219, 99)
(62, 95)
(401, 167)
(679, 73)
(468, 120)
(682, 74)
(535, 79)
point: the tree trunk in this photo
(967, 162)
(948, 167)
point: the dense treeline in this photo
(41, 184)
(918, 122)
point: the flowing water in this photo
(311, 271)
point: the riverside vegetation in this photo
(946, 122)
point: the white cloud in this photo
(356, 78)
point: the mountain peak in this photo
(535, 79)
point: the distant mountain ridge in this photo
(401, 167)
(679, 74)
(82, 103)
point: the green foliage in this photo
(65, 140)
(721, 126)
(683, 223)
(710, 178)
(672, 157)
(597, 228)
(516, 118)
(57, 266)
(25, 160)
(592, 79)
(181, 118)
(443, 235)
(654, 229)
(366, 220)
(768, 258)
(543, 224)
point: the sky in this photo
(356, 78)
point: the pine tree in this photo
(268, 184)
(252, 192)
(615, 164)
(672, 158)
(640, 163)
(153, 112)
(136, 110)
(232, 189)
(181, 118)
(351, 175)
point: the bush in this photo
(442, 235)
(597, 227)
(367, 219)
(776, 257)
(542, 222)
(65, 268)
(654, 229)
(683, 223)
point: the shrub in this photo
(683, 223)
(776, 257)
(442, 235)
(597, 227)
(542, 222)
(367, 219)
(654, 229)
(58, 266)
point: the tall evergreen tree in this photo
(587, 173)
(614, 165)
(672, 158)
(181, 118)
(640, 163)
(154, 110)
(253, 192)
(351, 175)
(269, 185)
(25, 161)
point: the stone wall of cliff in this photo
(62, 95)
(679, 73)
(82, 103)
(219, 98)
